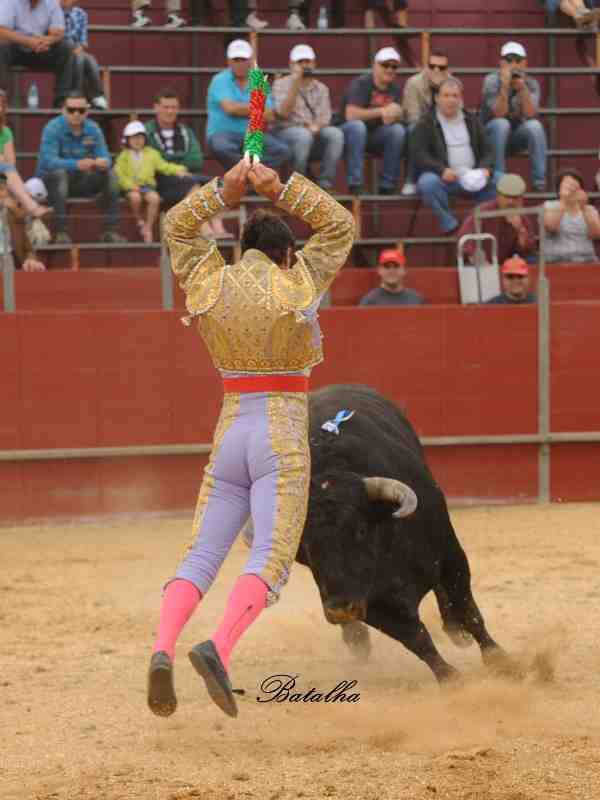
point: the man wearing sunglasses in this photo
(371, 121)
(419, 98)
(74, 162)
(32, 35)
(509, 107)
(514, 275)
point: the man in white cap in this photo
(509, 107)
(371, 121)
(228, 108)
(303, 108)
(452, 155)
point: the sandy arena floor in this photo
(78, 606)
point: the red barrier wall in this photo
(127, 378)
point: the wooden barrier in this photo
(131, 378)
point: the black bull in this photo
(373, 555)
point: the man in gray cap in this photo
(303, 109)
(514, 233)
(509, 107)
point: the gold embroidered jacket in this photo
(253, 316)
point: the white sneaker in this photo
(175, 21)
(100, 102)
(409, 189)
(252, 21)
(294, 22)
(140, 20)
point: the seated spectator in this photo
(32, 35)
(228, 107)
(452, 155)
(391, 291)
(571, 223)
(400, 8)
(241, 12)
(509, 107)
(8, 170)
(298, 18)
(514, 275)
(303, 108)
(515, 234)
(74, 162)
(14, 241)
(136, 168)
(86, 72)
(584, 14)
(371, 116)
(419, 98)
(140, 20)
(178, 144)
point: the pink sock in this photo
(178, 604)
(247, 599)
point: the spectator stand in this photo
(368, 209)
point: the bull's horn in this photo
(394, 492)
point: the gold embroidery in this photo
(227, 417)
(250, 313)
(288, 429)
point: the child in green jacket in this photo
(136, 169)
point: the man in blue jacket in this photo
(74, 162)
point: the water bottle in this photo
(322, 20)
(33, 96)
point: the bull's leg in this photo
(456, 580)
(405, 626)
(451, 626)
(356, 636)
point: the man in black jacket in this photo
(452, 155)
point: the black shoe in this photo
(387, 190)
(161, 691)
(208, 665)
(357, 189)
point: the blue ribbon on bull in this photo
(333, 425)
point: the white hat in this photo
(133, 128)
(301, 52)
(239, 48)
(37, 189)
(473, 180)
(387, 54)
(513, 49)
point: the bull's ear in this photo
(392, 491)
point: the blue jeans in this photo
(62, 184)
(506, 140)
(436, 193)
(385, 140)
(325, 146)
(227, 149)
(86, 75)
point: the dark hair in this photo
(569, 172)
(168, 93)
(75, 94)
(267, 232)
(439, 54)
(4, 98)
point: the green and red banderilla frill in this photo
(254, 140)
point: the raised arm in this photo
(327, 250)
(193, 258)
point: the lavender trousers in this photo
(259, 468)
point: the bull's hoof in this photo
(501, 664)
(356, 636)
(460, 637)
(448, 675)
